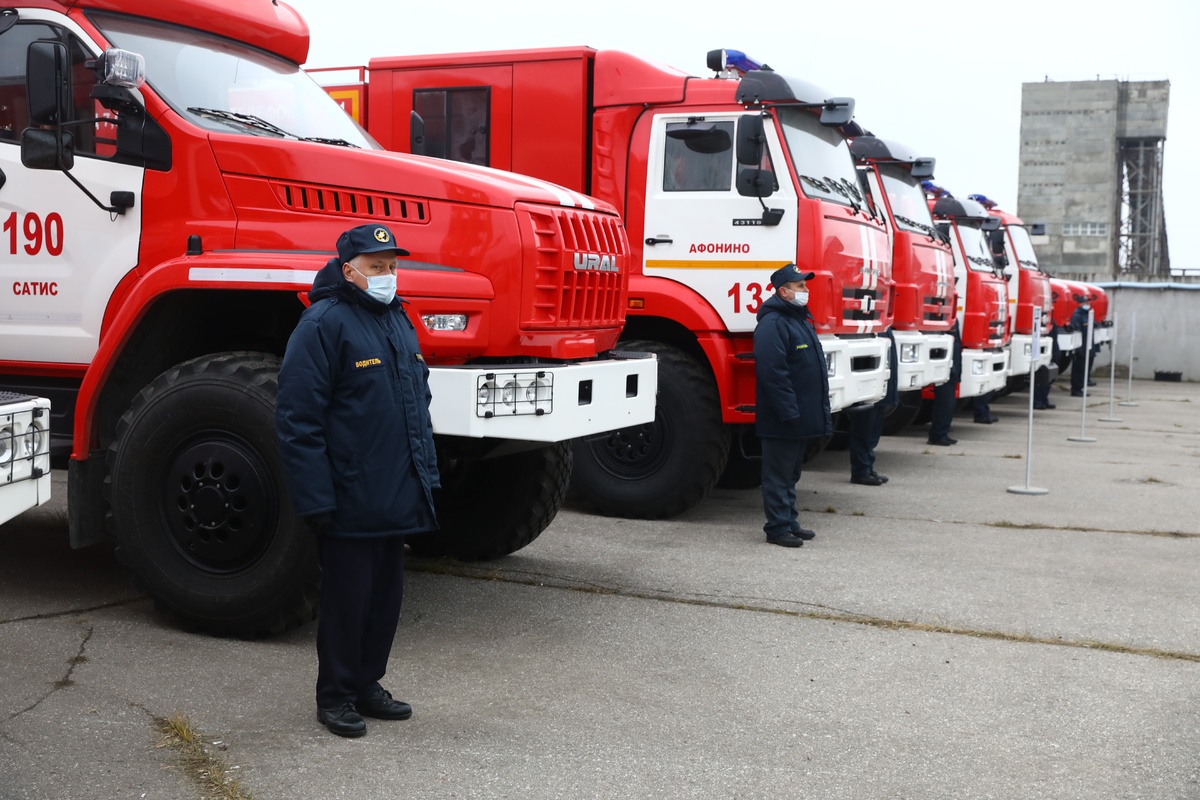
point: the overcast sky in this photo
(943, 78)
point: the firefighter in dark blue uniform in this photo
(356, 440)
(792, 403)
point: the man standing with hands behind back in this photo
(792, 403)
(355, 436)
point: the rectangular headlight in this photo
(829, 365)
(977, 367)
(445, 322)
(908, 353)
(1029, 349)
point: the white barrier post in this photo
(1112, 369)
(1037, 332)
(1087, 365)
(1129, 391)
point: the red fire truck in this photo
(161, 237)
(922, 270)
(981, 288)
(1028, 290)
(720, 181)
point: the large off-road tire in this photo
(198, 502)
(662, 468)
(488, 509)
(903, 414)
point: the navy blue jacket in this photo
(792, 391)
(352, 414)
(1079, 319)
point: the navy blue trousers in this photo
(942, 412)
(782, 460)
(866, 426)
(362, 589)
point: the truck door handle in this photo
(660, 240)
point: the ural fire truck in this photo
(925, 304)
(161, 238)
(720, 181)
(982, 291)
(1028, 290)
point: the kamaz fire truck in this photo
(170, 182)
(1028, 291)
(925, 303)
(720, 180)
(982, 291)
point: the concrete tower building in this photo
(1091, 170)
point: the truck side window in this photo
(96, 138)
(698, 164)
(457, 123)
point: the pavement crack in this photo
(807, 610)
(72, 611)
(66, 680)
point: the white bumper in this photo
(543, 402)
(1021, 352)
(1102, 334)
(24, 453)
(859, 370)
(983, 371)
(929, 358)
(1070, 341)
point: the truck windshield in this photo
(1023, 246)
(975, 248)
(824, 166)
(907, 199)
(223, 85)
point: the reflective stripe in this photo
(228, 275)
(566, 197)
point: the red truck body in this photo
(1028, 290)
(922, 262)
(982, 293)
(666, 149)
(156, 321)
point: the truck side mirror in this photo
(990, 224)
(837, 111)
(416, 134)
(48, 82)
(750, 142)
(41, 149)
(1037, 229)
(755, 183)
(922, 168)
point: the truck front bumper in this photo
(544, 402)
(24, 453)
(1021, 352)
(983, 371)
(858, 369)
(922, 358)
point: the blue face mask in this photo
(381, 287)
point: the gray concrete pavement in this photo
(687, 658)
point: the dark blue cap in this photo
(367, 239)
(788, 274)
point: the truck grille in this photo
(580, 260)
(328, 200)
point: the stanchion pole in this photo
(1112, 369)
(1087, 364)
(1129, 392)
(1033, 359)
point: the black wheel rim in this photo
(636, 452)
(219, 503)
